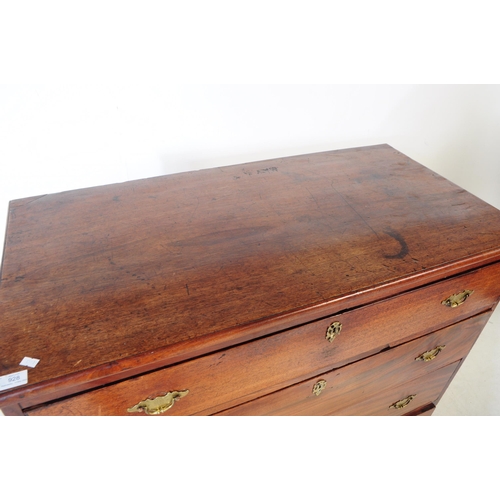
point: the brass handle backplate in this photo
(160, 404)
(428, 355)
(333, 331)
(318, 387)
(457, 299)
(402, 403)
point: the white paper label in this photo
(30, 362)
(13, 380)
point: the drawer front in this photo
(242, 373)
(403, 398)
(354, 383)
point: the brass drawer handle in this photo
(427, 356)
(160, 404)
(402, 403)
(457, 299)
(333, 331)
(318, 387)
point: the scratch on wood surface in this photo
(314, 198)
(36, 199)
(195, 208)
(355, 211)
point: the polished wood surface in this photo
(106, 283)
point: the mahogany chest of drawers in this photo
(350, 282)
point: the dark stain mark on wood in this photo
(261, 171)
(404, 247)
(187, 288)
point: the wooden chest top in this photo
(129, 277)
